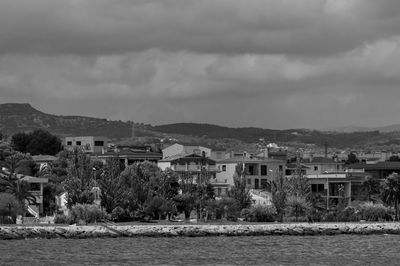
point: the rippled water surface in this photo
(265, 250)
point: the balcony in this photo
(194, 168)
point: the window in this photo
(78, 143)
(263, 170)
(219, 192)
(280, 168)
(317, 188)
(315, 168)
(34, 187)
(251, 170)
(69, 143)
(248, 181)
(99, 143)
(224, 168)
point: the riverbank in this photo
(189, 230)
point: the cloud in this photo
(308, 27)
(268, 63)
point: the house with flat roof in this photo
(128, 155)
(36, 189)
(378, 170)
(319, 165)
(336, 186)
(88, 144)
(259, 172)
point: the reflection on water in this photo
(260, 250)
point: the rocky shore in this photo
(102, 230)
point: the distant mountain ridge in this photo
(23, 117)
(18, 117)
(351, 129)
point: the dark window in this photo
(78, 143)
(224, 168)
(34, 187)
(315, 168)
(69, 143)
(251, 170)
(99, 143)
(280, 168)
(263, 170)
(249, 181)
(317, 188)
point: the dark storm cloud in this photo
(269, 63)
(308, 27)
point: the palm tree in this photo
(391, 191)
(371, 186)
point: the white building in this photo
(89, 144)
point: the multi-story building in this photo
(334, 186)
(128, 155)
(89, 144)
(378, 170)
(319, 165)
(258, 172)
(36, 189)
(179, 149)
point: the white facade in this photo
(89, 144)
(179, 149)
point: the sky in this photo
(263, 63)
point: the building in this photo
(179, 149)
(259, 172)
(320, 165)
(378, 170)
(335, 186)
(36, 189)
(89, 144)
(128, 155)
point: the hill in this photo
(15, 117)
(23, 117)
(250, 134)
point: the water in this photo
(260, 250)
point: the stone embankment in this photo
(98, 230)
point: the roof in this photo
(30, 179)
(187, 157)
(319, 160)
(44, 158)
(129, 154)
(376, 166)
(249, 160)
(293, 166)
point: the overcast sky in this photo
(263, 63)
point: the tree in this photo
(111, 190)
(279, 195)
(80, 179)
(137, 180)
(9, 206)
(391, 191)
(352, 158)
(36, 142)
(297, 206)
(394, 158)
(371, 186)
(239, 191)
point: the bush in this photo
(348, 214)
(245, 213)
(298, 206)
(262, 213)
(62, 219)
(373, 212)
(119, 214)
(85, 213)
(9, 207)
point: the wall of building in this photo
(89, 144)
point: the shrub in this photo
(262, 213)
(297, 206)
(9, 206)
(245, 213)
(62, 219)
(119, 214)
(229, 207)
(373, 212)
(348, 214)
(85, 212)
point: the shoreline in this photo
(195, 230)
